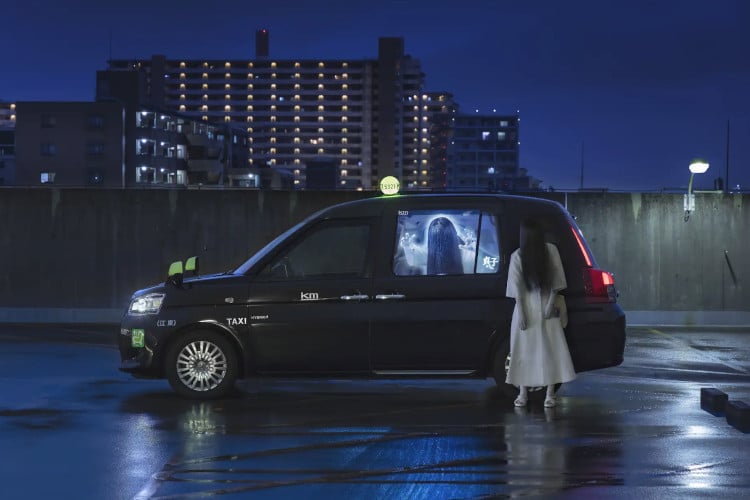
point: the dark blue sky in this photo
(644, 85)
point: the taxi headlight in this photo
(147, 304)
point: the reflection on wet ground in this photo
(628, 431)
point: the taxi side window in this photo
(329, 251)
(446, 242)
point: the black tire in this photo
(500, 371)
(202, 364)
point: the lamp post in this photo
(697, 166)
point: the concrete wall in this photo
(77, 255)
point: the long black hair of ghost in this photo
(534, 259)
(443, 253)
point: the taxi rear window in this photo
(446, 242)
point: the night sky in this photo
(641, 86)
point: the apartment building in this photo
(365, 118)
(115, 144)
(483, 154)
(7, 143)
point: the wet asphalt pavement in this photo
(73, 426)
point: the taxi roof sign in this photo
(389, 185)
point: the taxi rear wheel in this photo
(202, 365)
(500, 370)
(500, 366)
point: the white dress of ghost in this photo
(539, 354)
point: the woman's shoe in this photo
(520, 401)
(550, 402)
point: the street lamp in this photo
(697, 166)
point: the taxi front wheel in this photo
(202, 365)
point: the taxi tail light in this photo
(599, 286)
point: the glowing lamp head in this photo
(698, 166)
(389, 185)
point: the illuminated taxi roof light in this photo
(389, 185)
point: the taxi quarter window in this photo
(446, 242)
(328, 251)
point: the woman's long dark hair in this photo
(534, 259)
(443, 254)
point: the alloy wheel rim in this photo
(201, 365)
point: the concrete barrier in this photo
(78, 254)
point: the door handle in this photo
(355, 297)
(390, 296)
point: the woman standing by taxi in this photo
(539, 353)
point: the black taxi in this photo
(399, 286)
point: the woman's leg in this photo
(549, 400)
(522, 397)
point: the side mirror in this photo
(191, 265)
(175, 273)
